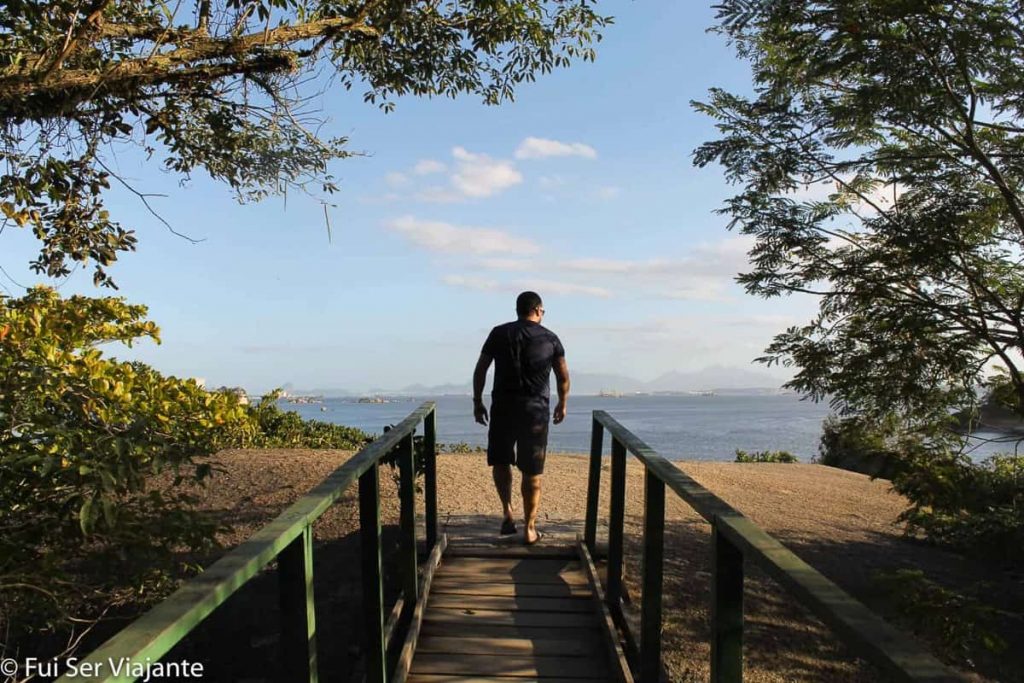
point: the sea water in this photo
(687, 427)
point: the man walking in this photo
(524, 353)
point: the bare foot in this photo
(531, 536)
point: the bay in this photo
(678, 427)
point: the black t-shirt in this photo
(523, 353)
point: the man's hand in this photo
(559, 413)
(480, 412)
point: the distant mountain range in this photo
(715, 378)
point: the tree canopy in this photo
(225, 86)
(879, 161)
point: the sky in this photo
(582, 189)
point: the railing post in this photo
(653, 565)
(616, 519)
(430, 476)
(407, 520)
(373, 590)
(593, 487)
(298, 613)
(726, 610)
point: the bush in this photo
(272, 427)
(974, 508)
(765, 456)
(963, 626)
(81, 435)
(461, 448)
(860, 445)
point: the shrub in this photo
(765, 456)
(461, 447)
(81, 434)
(974, 508)
(860, 445)
(271, 427)
(962, 625)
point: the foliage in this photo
(271, 427)
(80, 434)
(879, 169)
(765, 456)
(460, 447)
(224, 86)
(864, 445)
(975, 508)
(964, 626)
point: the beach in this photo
(842, 523)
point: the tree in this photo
(880, 159)
(223, 86)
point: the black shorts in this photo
(518, 433)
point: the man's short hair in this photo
(526, 302)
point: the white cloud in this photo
(470, 282)
(608, 192)
(553, 287)
(507, 264)
(550, 182)
(540, 148)
(445, 237)
(564, 288)
(428, 166)
(395, 179)
(478, 175)
(436, 194)
(706, 273)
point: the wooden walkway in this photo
(498, 611)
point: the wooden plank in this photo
(616, 657)
(573, 579)
(444, 678)
(616, 520)
(563, 551)
(478, 630)
(298, 609)
(430, 476)
(509, 618)
(510, 665)
(726, 611)
(508, 603)
(593, 485)
(569, 645)
(506, 562)
(651, 572)
(407, 559)
(405, 657)
(373, 589)
(505, 588)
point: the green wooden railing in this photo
(289, 539)
(734, 539)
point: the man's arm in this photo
(479, 380)
(562, 384)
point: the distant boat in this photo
(610, 394)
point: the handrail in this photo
(734, 538)
(289, 539)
